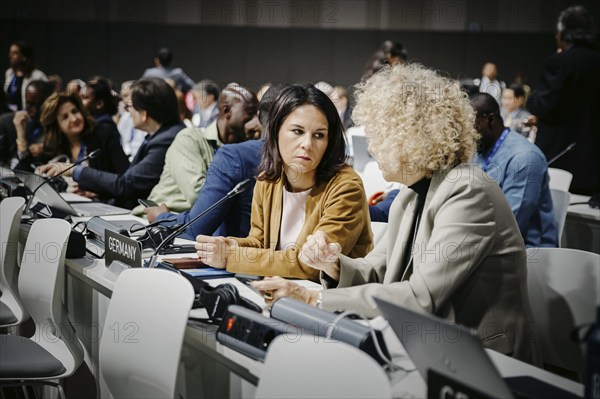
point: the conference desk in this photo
(582, 226)
(207, 368)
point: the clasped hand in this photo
(320, 253)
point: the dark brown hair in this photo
(290, 98)
(55, 140)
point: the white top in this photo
(131, 138)
(292, 217)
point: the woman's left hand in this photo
(273, 288)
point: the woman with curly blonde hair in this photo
(452, 247)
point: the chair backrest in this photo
(560, 179)
(11, 210)
(313, 368)
(564, 290)
(41, 285)
(560, 203)
(143, 333)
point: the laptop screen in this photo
(448, 349)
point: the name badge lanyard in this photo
(495, 148)
(81, 152)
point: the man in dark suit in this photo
(566, 104)
(153, 109)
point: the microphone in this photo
(91, 155)
(563, 152)
(147, 226)
(238, 189)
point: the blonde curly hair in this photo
(415, 117)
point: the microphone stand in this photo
(238, 189)
(92, 155)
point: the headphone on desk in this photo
(155, 233)
(215, 300)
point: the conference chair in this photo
(560, 179)
(560, 203)
(12, 312)
(53, 352)
(564, 290)
(303, 368)
(143, 333)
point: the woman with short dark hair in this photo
(304, 185)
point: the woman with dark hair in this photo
(21, 71)
(99, 98)
(304, 186)
(71, 131)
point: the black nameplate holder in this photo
(121, 252)
(444, 386)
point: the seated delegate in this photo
(453, 247)
(304, 185)
(71, 131)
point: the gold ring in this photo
(268, 295)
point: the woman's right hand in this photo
(54, 168)
(320, 253)
(213, 251)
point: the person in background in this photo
(21, 134)
(206, 96)
(154, 110)
(75, 86)
(192, 151)
(304, 185)
(452, 247)
(489, 84)
(394, 52)
(131, 138)
(342, 104)
(232, 164)
(162, 69)
(102, 102)
(30, 137)
(513, 113)
(56, 82)
(521, 171)
(22, 70)
(70, 130)
(565, 103)
(263, 89)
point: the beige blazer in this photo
(337, 207)
(468, 263)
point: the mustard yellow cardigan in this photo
(337, 207)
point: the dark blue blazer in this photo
(380, 212)
(232, 164)
(141, 176)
